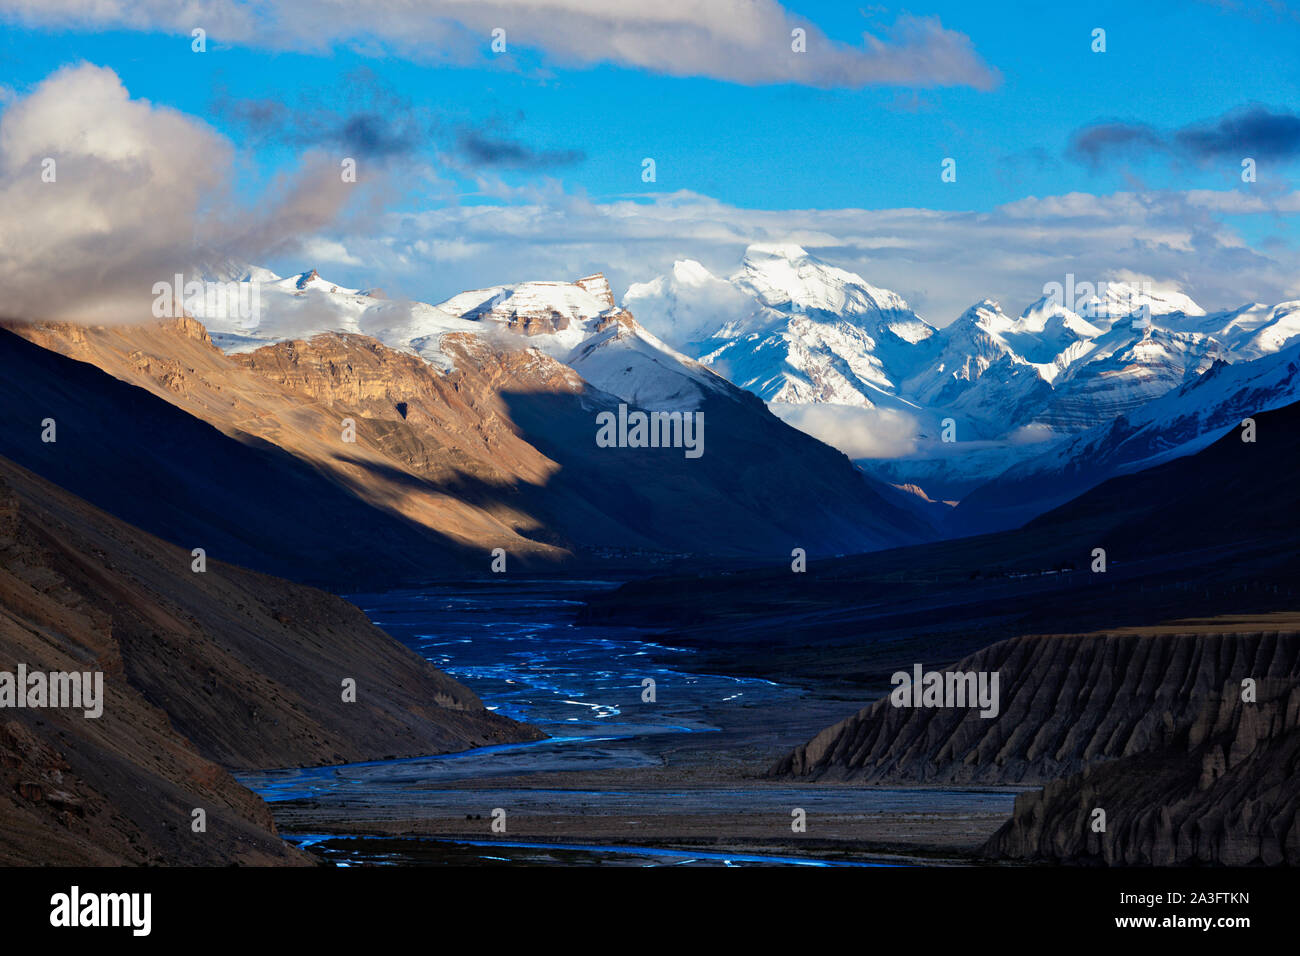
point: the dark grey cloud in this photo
(481, 147)
(370, 134)
(363, 119)
(1252, 130)
(364, 134)
(360, 118)
(1101, 142)
(1033, 159)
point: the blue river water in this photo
(517, 646)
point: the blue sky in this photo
(555, 134)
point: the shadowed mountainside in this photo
(1066, 702)
(203, 672)
(149, 463)
(1225, 790)
(537, 418)
(1205, 535)
(498, 451)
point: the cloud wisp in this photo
(858, 432)
(483, 148)
(363, 119)
(751, 42)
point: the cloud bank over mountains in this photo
(939, 260)
(104, 195)
(143, 190)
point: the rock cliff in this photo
(1226, 790)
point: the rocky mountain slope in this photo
(1224, 790)
(1178, 423)
(468, 442)
(1067, 702)
(202, 673)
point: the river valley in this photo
(626, 776)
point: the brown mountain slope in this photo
(1226, 791)
(202, 672)
(497, 452)
(161, 469)
(1066, 702)
(297, 396)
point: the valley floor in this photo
(685, 774)
(705, 796)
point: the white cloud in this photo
(858, 432)
(940, 261)
(448, 250)
(318, 249)
(1031, 434)
(743, 41)
(102, 196)
(706, 303)
(91, 243)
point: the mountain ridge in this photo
(796, 330)
(491, 445)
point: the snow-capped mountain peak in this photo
(690, 272)
(988, 315)
(598, 286)
(574, 323)
(784, 276)
(1118, 300)
(787, 326)
(533, 307)
(233, 270)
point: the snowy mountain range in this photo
(1181, 422)
(460, 428)
(798, 331)
(1025, 395)
(794, 329)
(576, 323)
